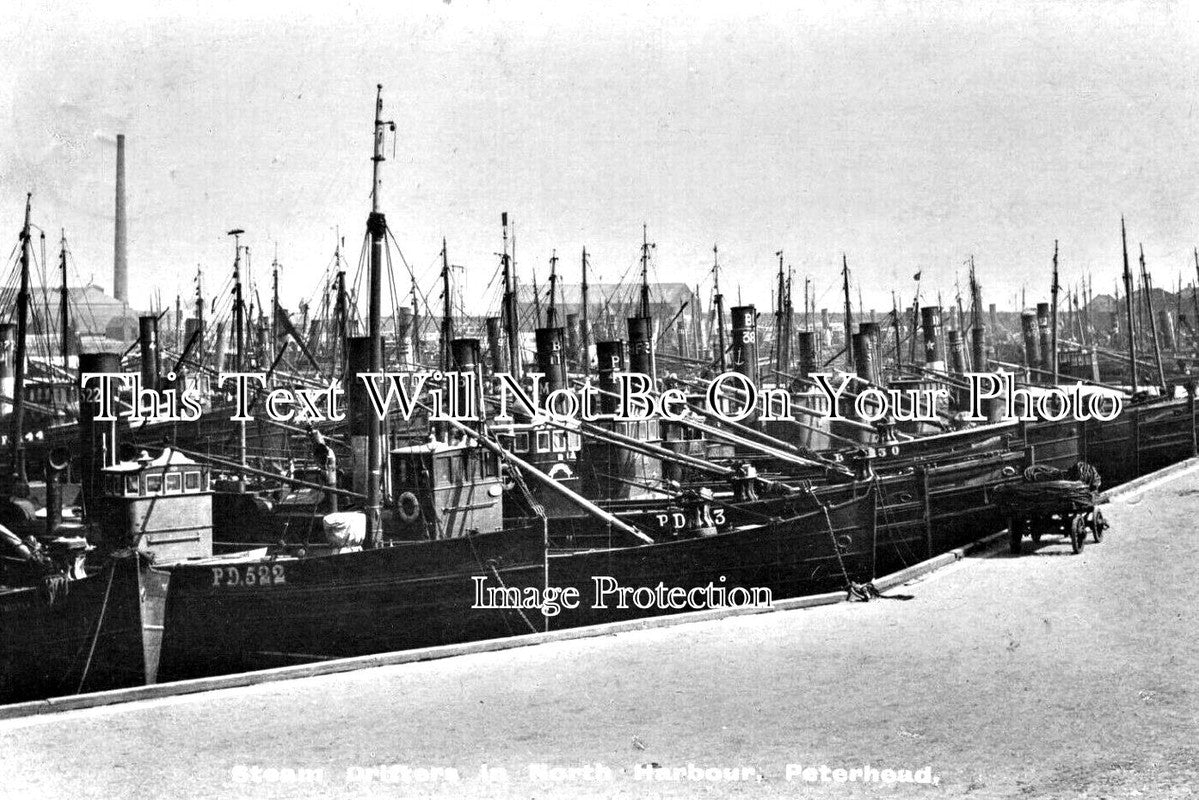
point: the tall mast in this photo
(978, 350)
(788, 321)
(416, 323)
(510, 321)
(780, 303)
(848, 313)
(341, 309)
(959, 323)
(585, 332)
(895, 326)
(17, 438)
(199, 295)
(551, 312)
(1132, 337)
(915, 320)
(275, 304)
(807, 313)
(238, 323)
(1053, 317)
(1091, 327)
(1147, 286)
(645, 246)
(64, 315)
(447, 320)
(376, 227)
(248, 306)
(536, 301)
(239, 336)
(1177, 324)
(1195, 300)
(1084, 315)
(719, 300)
(200, 313)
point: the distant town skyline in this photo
(907, 136)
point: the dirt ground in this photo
(1049, 675)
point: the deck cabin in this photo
(552, 450)
(161, 506)
(446, 490)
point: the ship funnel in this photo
(359, 407)
(98, 438)
(1046, 340)
(493, 345)
(934, 345)
(641, 348)
(745, 342)
(1032, 350)
(467, 360)
(551, 357)
(807, 353)
(957, 353)
(610, 362)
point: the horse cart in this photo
(1062, 507)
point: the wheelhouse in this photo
(446, 490)
(161, 506)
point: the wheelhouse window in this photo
(131, 485)
(443, 470)
(559, 442)
(543, 441)
(153, 484)
(191, 481)
(174, 480)
(521, 443)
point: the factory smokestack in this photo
(120, 267)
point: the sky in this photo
(906, 136)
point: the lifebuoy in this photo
(560, 471)
(408, 507)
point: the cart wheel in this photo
(1078, 533)
(1097, 524)
(1015, 534)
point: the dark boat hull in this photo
(424, 594)
(921, 511)
(96, 633)
(805, 555)
(412, 595)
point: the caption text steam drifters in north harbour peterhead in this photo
(730, 396)
(608, 781)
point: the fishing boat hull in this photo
(85, 635)
(822, 551)
(220, 620)
(254, 614)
